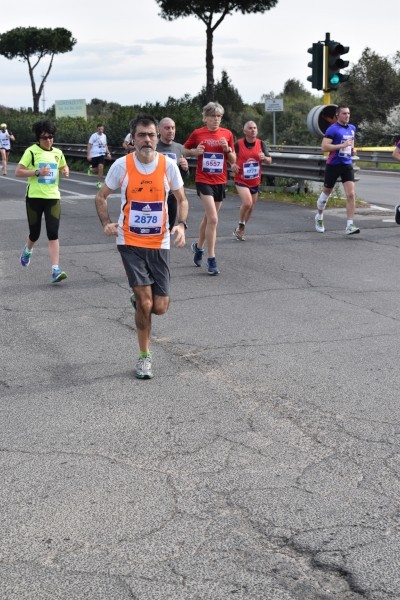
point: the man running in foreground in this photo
(143, 237)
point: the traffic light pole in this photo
(326, 65)
(326, 75)
(327, 93)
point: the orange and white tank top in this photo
(143, 220)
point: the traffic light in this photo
(317, 66)
(334, 63)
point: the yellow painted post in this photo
(327, 93)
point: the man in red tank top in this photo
(250, 153)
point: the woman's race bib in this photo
(52, 177)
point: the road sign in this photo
(274, 105)
(70, 108)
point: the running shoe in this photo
(239, 234)
(397, 214)
(350, 229)
(90, 171)
(198, 254)
(133, 300)
(319, 223)
(212, 266)
(57, 275)
(143, 368)
(25, 257)
(98, 185)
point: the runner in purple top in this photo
(339, 142)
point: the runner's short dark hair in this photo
(144, 120)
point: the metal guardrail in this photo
(300, 163)
(375, 155)
(300, 167)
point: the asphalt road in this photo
(263, 459)
(382, 188)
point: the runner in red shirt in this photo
(213, 146)
(250, 153)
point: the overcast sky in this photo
(126, 53)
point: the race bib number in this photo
(5, 143)
(52, 177)
(346, 151)
(213, 162)
(171, 155)
(146, 218)
(251, 170)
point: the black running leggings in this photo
(35, 208)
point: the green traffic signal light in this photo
(335, 63)
(334, 80)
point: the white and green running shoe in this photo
(143, 368)
(350, 229)
(319, 223)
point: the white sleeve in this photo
(116, 174)
(174, 175)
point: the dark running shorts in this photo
(147, 266)
(97, 160)
(333, 172)
(216, 191)
(253, 190)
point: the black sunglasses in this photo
(46, 137)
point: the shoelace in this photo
(145, 363)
